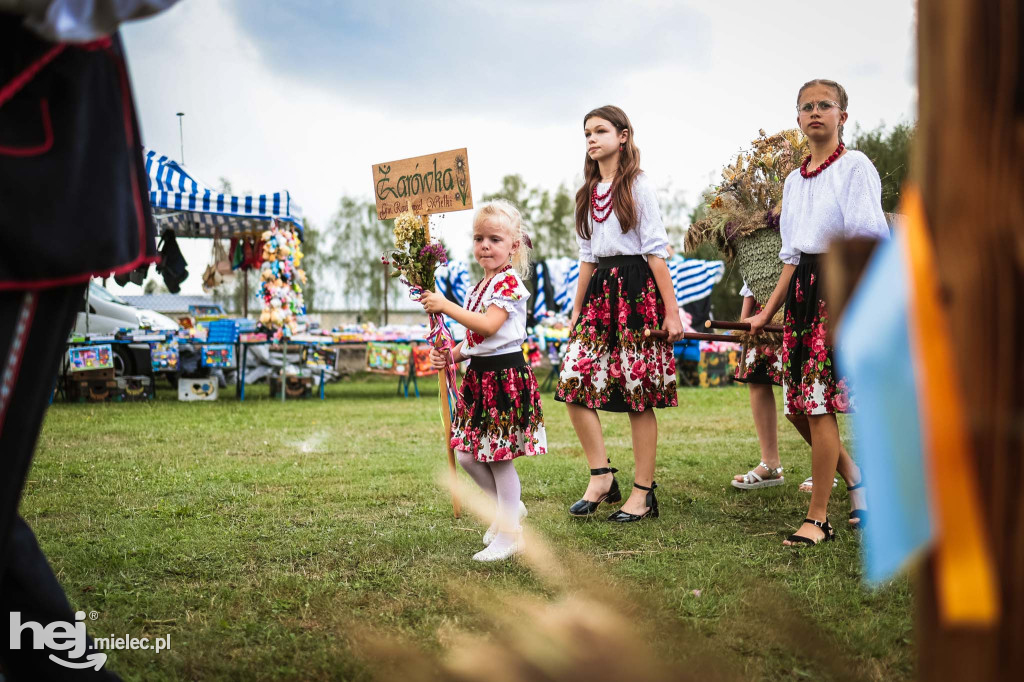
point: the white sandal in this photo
(809, 482)
(752, 479)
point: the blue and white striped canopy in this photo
(192, 209)
(691, 278)
(453, 279)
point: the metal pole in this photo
(181, 136)
(387, 276)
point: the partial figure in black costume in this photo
(73, 205)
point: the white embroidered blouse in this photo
(507, 291)
(844, 201)
(647, 238)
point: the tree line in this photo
(342, 258)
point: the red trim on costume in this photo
(12, 87)
(30, 285)
(47, 143)
(126, 104)
(12, 367)
(16, 84)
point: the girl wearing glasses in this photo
(835, 194)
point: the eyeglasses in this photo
(824, 106)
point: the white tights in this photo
(501, 482)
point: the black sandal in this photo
(858, 515)
(825, 526)
(584, 508)
(652, 507)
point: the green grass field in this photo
(271, 540)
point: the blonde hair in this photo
(512, 220)
(844, 99)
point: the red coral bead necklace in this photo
(482, 290)
(828, 162)
(601, 204)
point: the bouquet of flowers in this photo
(415, 258)
(750, 195)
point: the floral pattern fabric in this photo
(763, 364)
(811, 383)
(507, 291)
(609, 364)
(499, 415)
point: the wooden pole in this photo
(442, 384)
(693, 336)
(740, 326)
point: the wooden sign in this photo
(436, 183)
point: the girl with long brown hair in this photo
(624, 288)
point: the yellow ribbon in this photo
(965, 578)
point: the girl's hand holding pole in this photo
(673, 325)
(757, 322)
(438, 358)
(433, 302)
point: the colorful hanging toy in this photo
(281, 280)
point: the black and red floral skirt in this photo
(811, 383)
(763, 363)
(609, 364)
(499, 415)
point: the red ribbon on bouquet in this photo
(440, 337)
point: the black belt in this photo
(810, 258)
(619, 261)
(495, 363)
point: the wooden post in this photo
(969, 162)
(442, 384)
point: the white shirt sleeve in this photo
(745, 290)
(653, 237)
(789, 255)
(586, 249)
(80, 20)
(506, 293)
(862, 204)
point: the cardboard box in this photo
(91, 390)
(197, 389)
(295, 387)
(717, 369)
(135, 389)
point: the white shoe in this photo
(492, 531)
(808, 484)
(491, 553)
(753, 480)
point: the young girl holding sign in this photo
(498, 417)
(624, 288)
(835, 194)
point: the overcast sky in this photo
(307, 95)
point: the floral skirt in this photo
(609, 364)
(811, 383)
(763, 364)
(499, 417)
